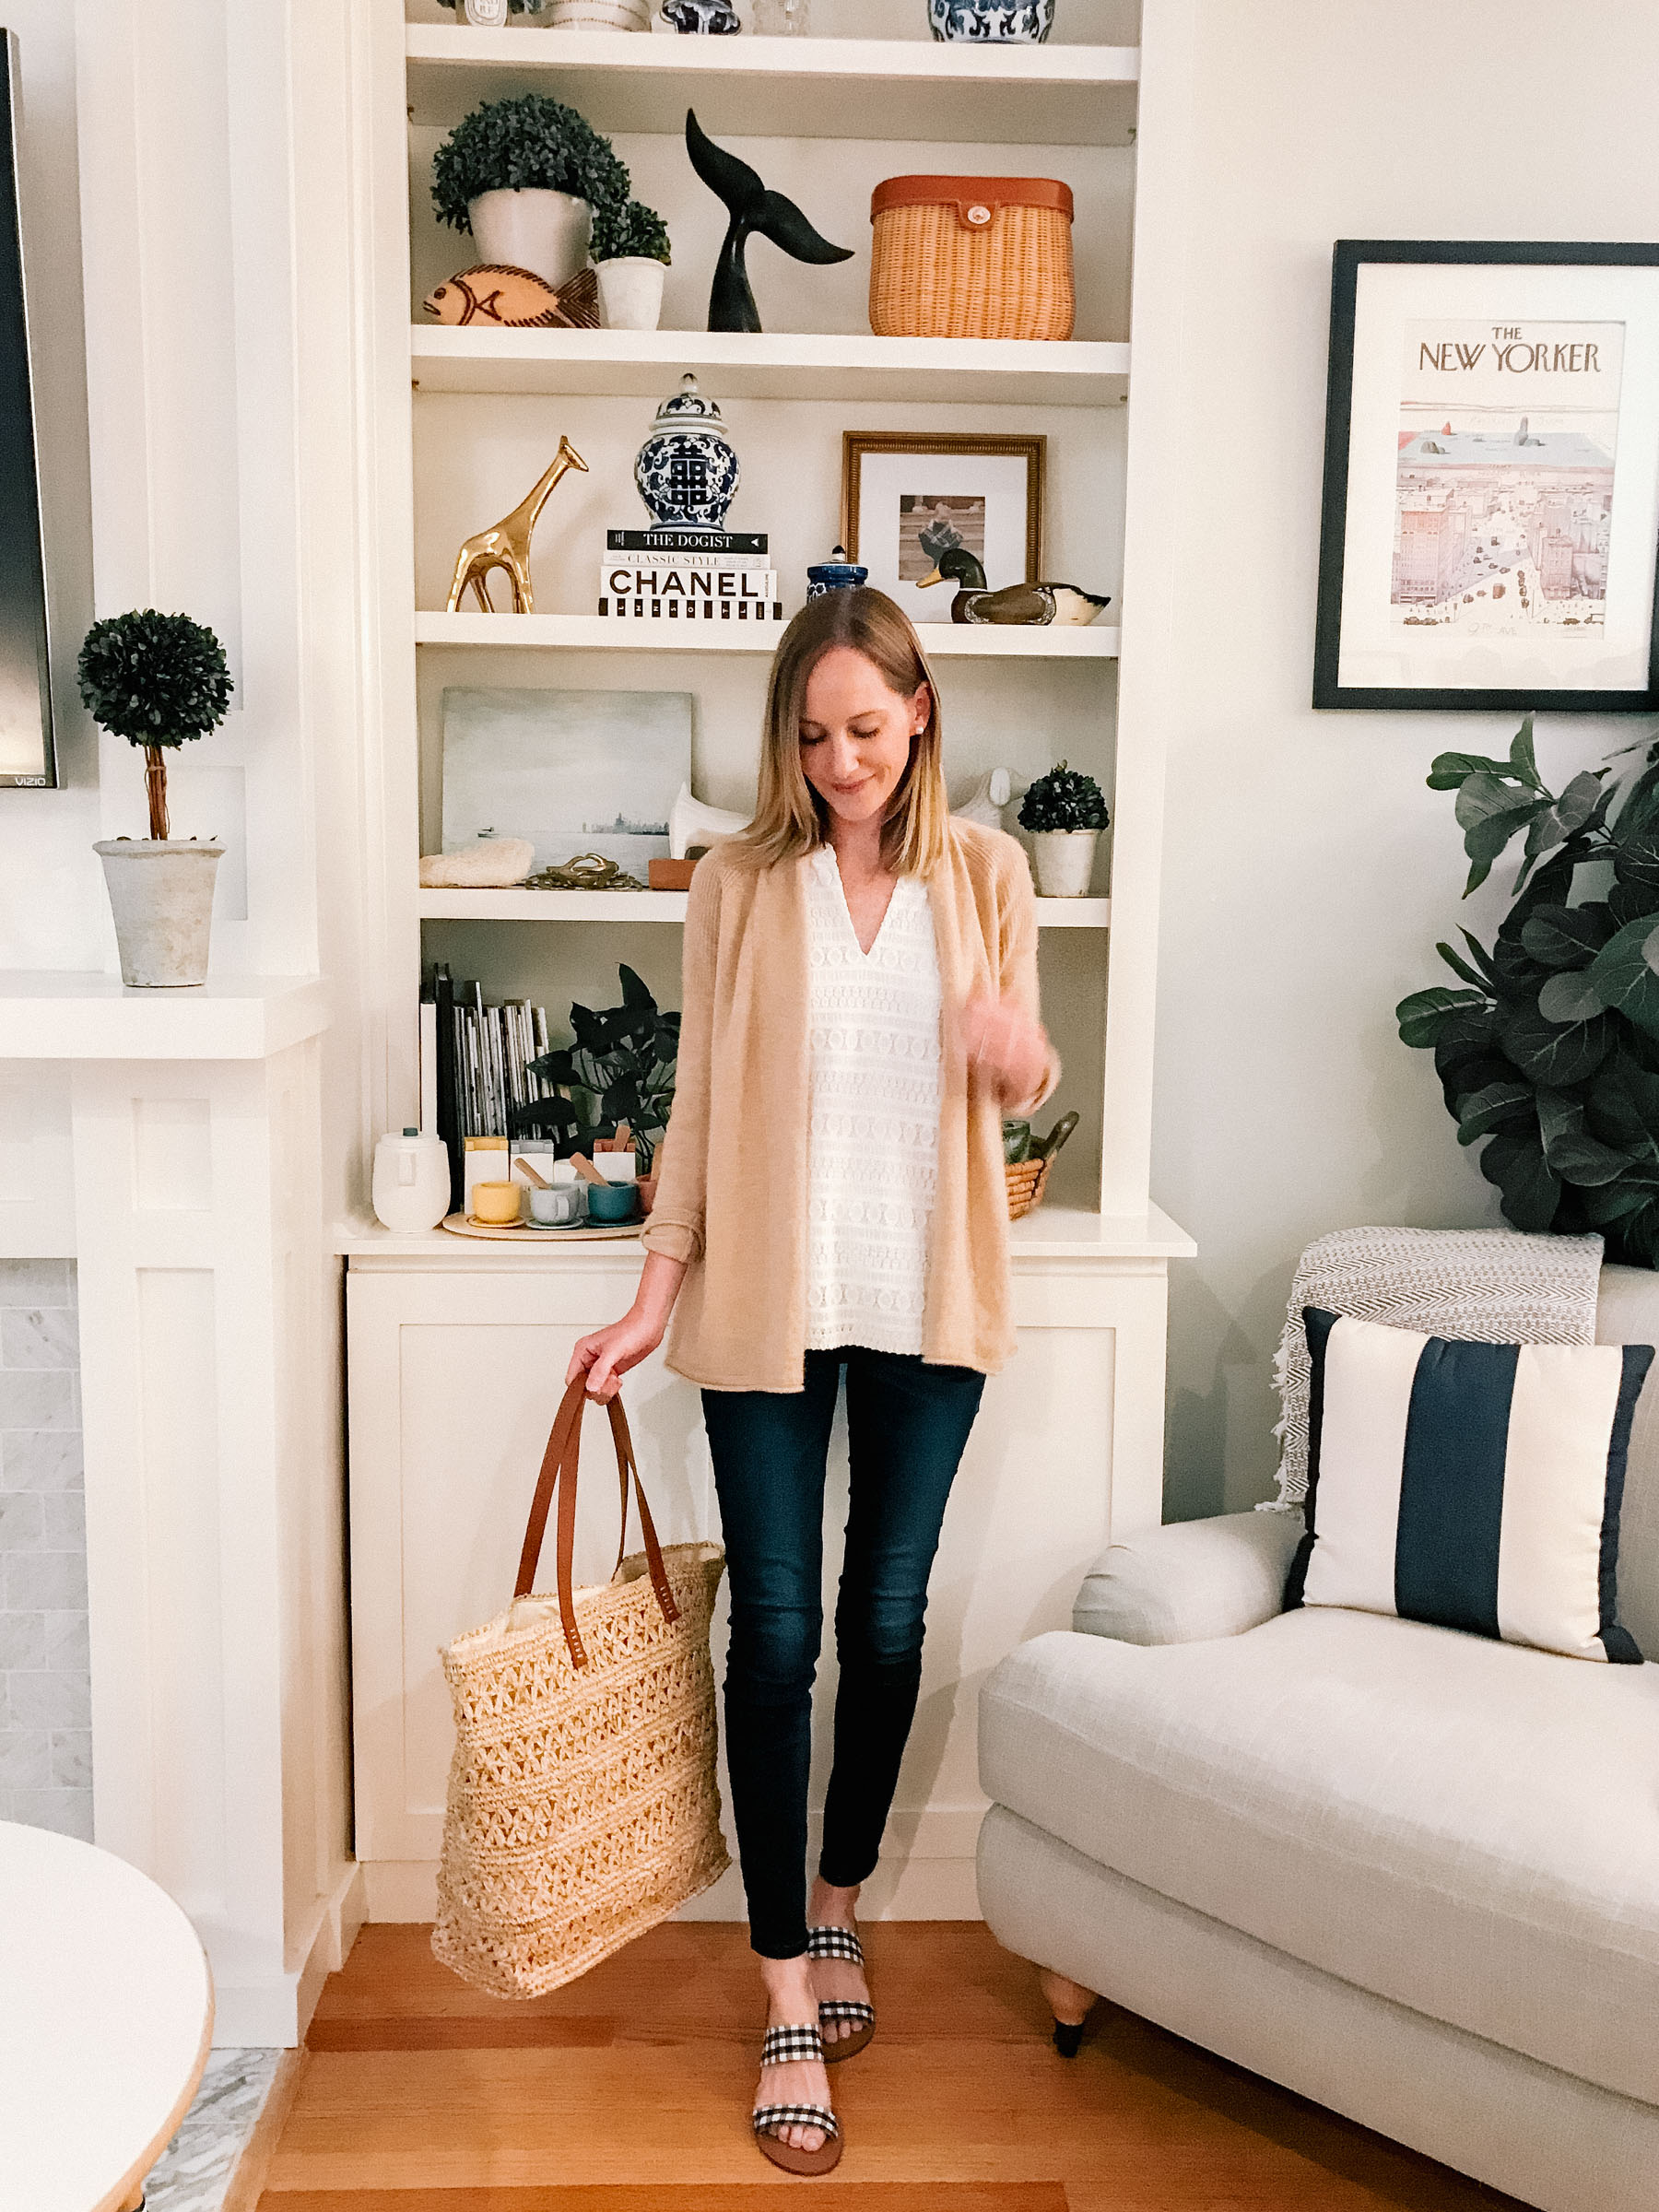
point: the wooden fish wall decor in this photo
(515, 300)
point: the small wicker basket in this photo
(1028, 1179)
(972, 257)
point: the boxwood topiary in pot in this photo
(630, 245)
(528, 177)
(158, 681)
(1065, 812)
(1549, 1056)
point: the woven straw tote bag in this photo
(582, 1806)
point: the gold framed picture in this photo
(909, 497)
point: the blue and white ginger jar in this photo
(686, 470)
(1000, 22)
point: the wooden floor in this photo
(628, 2090)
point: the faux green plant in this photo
(1063, 799)
(158, 681)
(632, 230)
(527, 142)
(621, 1067)
(1549, 1054)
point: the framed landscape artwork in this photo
(575, 771)
(907, 498)
(1491, 478)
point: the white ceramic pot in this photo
(600, 15)
(1065, 861)
(631, 292)
(411, 1187)
(545, 232)
(162, 897)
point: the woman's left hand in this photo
(1003, 1046)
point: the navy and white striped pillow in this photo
(1474, 1486)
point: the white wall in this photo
(1308, 871)
(52, 912)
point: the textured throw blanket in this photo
(1493, 1285)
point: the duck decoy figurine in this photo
(1030, 605)
(750, 208)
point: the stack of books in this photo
(476, 1062)
(688, 576)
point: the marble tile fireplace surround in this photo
(45, 1667)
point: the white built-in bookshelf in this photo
(824, 117)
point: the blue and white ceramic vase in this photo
(836, 574)
(716, 17)
(996, 23)
(686, 470)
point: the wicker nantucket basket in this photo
(972, 257)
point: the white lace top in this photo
(874, 1136)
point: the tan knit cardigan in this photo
(732, 1194)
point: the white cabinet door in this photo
(456, 1374)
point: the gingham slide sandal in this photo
(842, 1943)
(782, 2047)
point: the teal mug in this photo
(612, 1201)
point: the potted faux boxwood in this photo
(158, 681)
(1064, 812)
(527, 177)
(630, 245)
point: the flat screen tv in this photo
(28, 755)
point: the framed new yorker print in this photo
(1491, 478)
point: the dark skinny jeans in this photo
(906, 1427)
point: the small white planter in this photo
(162, 897)
(600, 15)
(1064, 861)
(631, 292)
(545, 232)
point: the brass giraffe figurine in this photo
(507, 543)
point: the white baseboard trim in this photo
(926, 1873)
(276, 2014)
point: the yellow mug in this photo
(497, 1204)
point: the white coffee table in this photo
(106, 2014)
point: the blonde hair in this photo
(790, 817)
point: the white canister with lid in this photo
(411, 1187)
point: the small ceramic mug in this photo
(560, 1208)
(497, 1204)
(611, 1201)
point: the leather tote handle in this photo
(559, 1473)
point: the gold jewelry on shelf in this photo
(587, 872)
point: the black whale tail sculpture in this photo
(752, 209)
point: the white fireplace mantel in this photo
(46, 1014)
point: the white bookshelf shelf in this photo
(943, 641)
(665, 906)
(1047, 1233)
(1030, 373)
(900, 88)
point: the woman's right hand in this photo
(606, 1355)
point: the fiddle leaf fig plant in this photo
(527, 142)
(622, 1069)
(1063, 799)
(1548, 1053)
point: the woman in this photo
(860, 1010)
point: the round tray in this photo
(587, 1232)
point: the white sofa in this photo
(1411, 1874)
